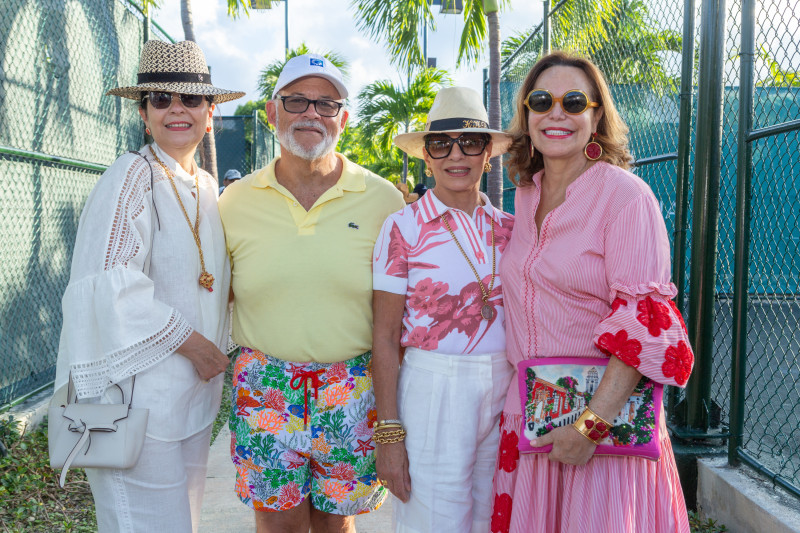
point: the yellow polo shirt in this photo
(302, 280)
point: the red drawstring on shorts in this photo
(301, 377)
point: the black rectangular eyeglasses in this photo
(299, 104)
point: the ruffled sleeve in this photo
(390, 258)
(644, 328)
(113, 325)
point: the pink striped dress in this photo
(595, 281)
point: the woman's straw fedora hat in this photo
(454, 110)
(174, 68)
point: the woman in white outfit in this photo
(148, 295)
(438, 299)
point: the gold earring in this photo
(487, 167)
(429, 172)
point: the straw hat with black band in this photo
(454, 110)
(174, 68)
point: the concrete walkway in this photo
(224, 513)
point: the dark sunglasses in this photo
(440, 146)
(573, 102)
(298, 104)
(162, 100)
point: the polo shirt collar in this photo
(352, 179)
(431, 207)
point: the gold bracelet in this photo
(592, 426)
(389, 437)
(381, 427)
(391, 432)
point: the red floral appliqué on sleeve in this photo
(616, 304)
(678, 314)
(509, 453)
(653, 315)
(624, 349)
(501, 517)
(678, 361)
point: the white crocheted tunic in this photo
(120, 321)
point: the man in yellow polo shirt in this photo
(300, 234)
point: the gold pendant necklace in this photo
(487, 311)
(206, 280)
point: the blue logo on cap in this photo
(317, 62)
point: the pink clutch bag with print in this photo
(554, 391)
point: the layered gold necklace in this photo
(487, 311)
(206, 280)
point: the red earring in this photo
(208, 129)
(593, 151)
(147, 131)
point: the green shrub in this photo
(30, 498)
(698, 525)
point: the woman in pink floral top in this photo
(586, 274)
(438, 298)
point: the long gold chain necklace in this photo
(206, 279)
(487, 311)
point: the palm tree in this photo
(269, 74)
(778, 76)
(398, 22)
(358, 147)
(617, 35)
(386, 110)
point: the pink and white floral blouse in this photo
(416, 256)
(594, 280)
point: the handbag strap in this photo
(86, 438)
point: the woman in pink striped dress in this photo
(586, 274)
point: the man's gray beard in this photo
(318, 151)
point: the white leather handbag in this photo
(94, 435)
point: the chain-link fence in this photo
(649, 53)
(58, 133)
(264, 145)
(244, 143)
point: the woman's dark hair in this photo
(612, 133)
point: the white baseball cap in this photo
(310, 65)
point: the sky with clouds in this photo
(238, 49)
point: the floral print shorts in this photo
(300, 429)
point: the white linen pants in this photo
(163, 492)
(450, 406)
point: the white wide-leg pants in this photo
(450, 406)
(162, 493)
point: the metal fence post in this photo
(683, 168)
(147, 21)
(546, 28)
(254, 143)
(705, 212)
(742, 254)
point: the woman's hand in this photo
(207, 359)
(391, 466)
(569, 446)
